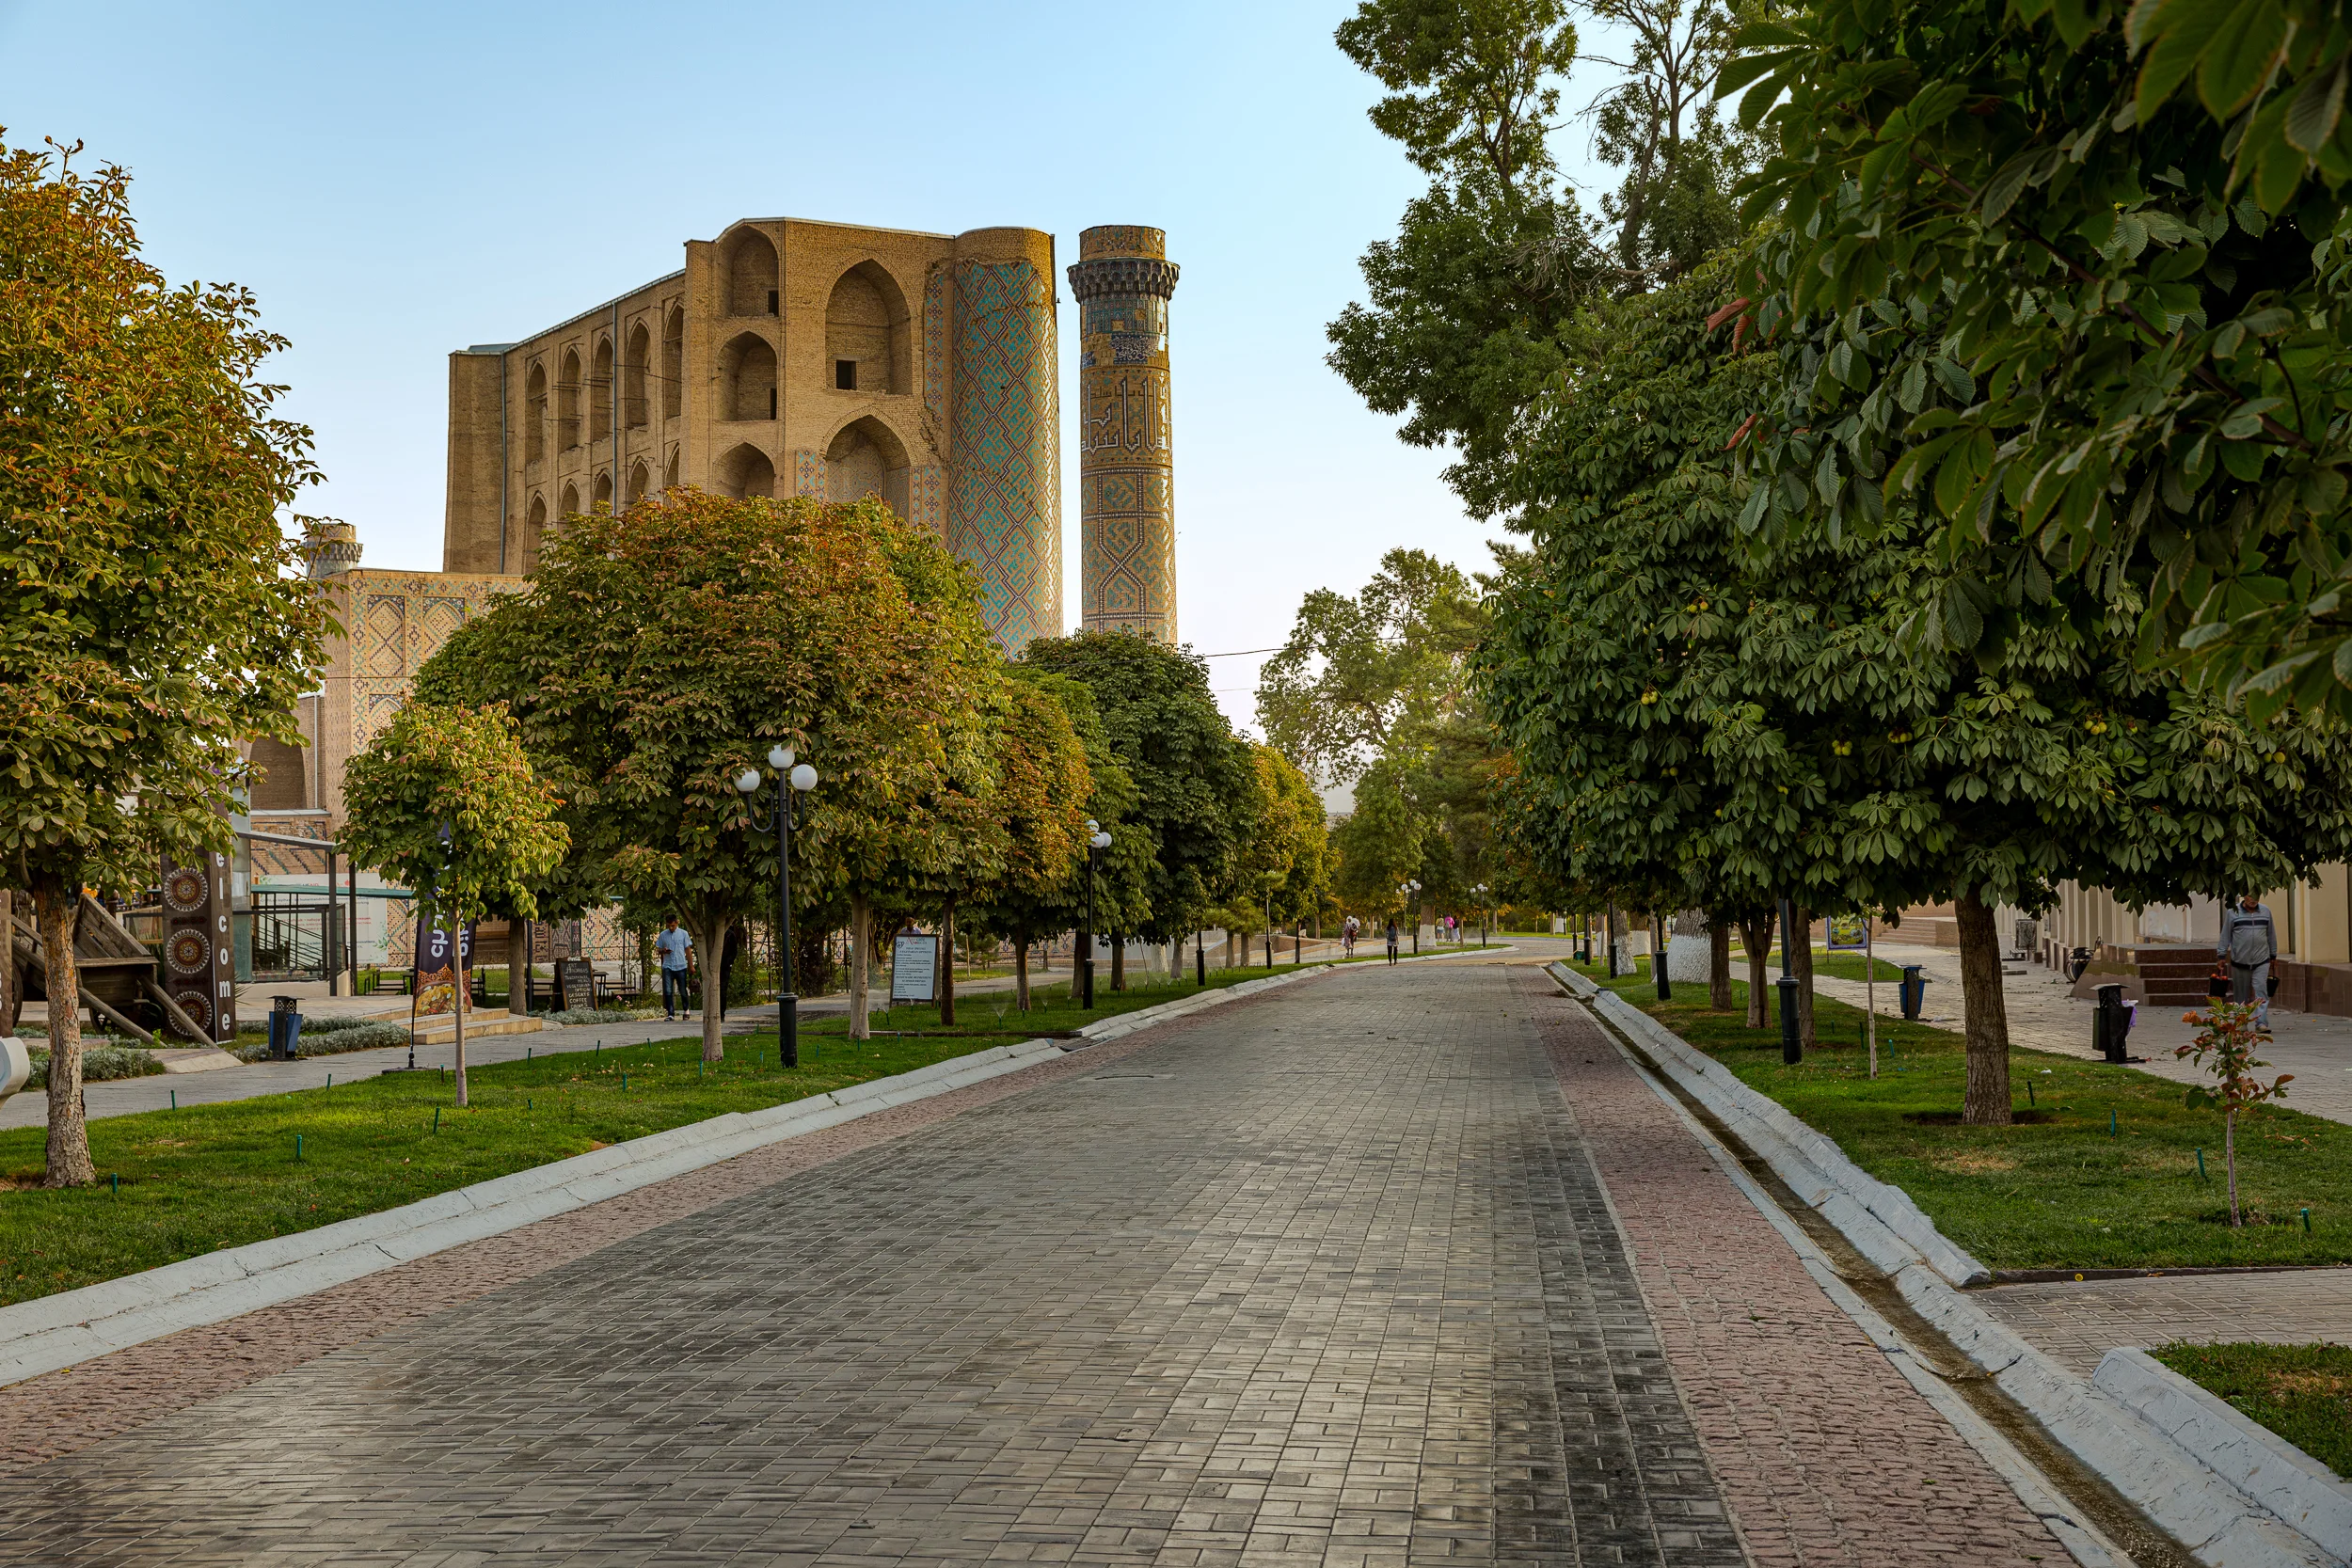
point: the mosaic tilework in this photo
(935, 345)
(1004, 498)
(398, 621)
(808, 474)
(927, 498)
(1126, 488)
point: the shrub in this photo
(99, 1063)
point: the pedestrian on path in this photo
(1391, 939)
(2250, 940)
(677, 949)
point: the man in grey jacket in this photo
(2249, 941)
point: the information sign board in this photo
(914, 967)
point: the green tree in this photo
(444, 800)
(1284, 859)
(1042, 791)
(156, 617)
(659, 653)
(1659, 123)
(1379, 844)
(1456, 332)
(2073, 278)
(1195, 786)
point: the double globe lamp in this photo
(802, 778)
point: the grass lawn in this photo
(208, 1177)
(2057, 1190)
(2302, 1392)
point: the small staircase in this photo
(2167, 972)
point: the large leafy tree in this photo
(1659, 123)
(2074, 278)
(444, 800)
(154, 614)
(1455, 334)
(659, 652)
(1194, 785)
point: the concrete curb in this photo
(2217, 1524)
(2270, 1471)
(56, 1331)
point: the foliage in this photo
(659, 652)
(1196, 797)
(1381, 843)
(443, 800)
(2093, 320)
(1287, 854)
(1489, 259)
(1043, 794)
(2227, 1034)
(1659, 124)
(156, 618)
(103, 1063)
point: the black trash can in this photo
(1915, 992)
(2111, 1025)
(285, 1029)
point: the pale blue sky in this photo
(395, 182)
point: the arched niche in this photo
(747, 379)
(600, 393)
(673, 364)
(603, 501)
(668, 471)
(535, 414)
(867, 345)
(536, 522)
(868, 458)
(638, 480)
(281, 779)
(751, 271)
(567, 404)
(633, 370)
(745, 471)
(571, 499)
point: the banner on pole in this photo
(1848, 933)
(441, 963)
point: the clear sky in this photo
(396, 182)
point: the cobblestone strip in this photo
(1824, 1453)
(2079, 1323)
(43, 1417)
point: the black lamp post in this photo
(1412, 894)
(1097, 840)
(1657, 962)
(1791, 1045)
(1481, 891)
(792, 778)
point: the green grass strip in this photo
(2302, 1392)
(2057, 1190)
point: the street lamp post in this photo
(1791, 1043)
(1097, 840)
(1481, 891)
(1415, 887)
(792, 778)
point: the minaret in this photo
(1126, 478)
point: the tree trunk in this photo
(861, 964)
(1801, 964)
(706, 951)
(947, 969)
(1718, 963)
(1020, 973)
(60, 910)
(8, 999)
(2229, 1159)
(1119, 963)
(1986, 1103)
(1755, 934)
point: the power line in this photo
(1239, 652)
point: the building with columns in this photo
(788, 358)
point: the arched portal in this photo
(633, 376)
(868, 458)
(567, 404)
(638, 480)
(745, 471)
(571, 499)
(867, 343)
(747, 379)
(673, 364)
(603, 501)
(668, 473)
(600, 393)
(751, 274)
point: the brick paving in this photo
(2079, 1323)
(1825, 1453)
(1325, 1276)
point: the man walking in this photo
(1391, 939)
(675, 948)
(2249, 941)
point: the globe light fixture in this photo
(801, 779)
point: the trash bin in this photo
(285, 1029)
(1915, 992)
(2110, 1024)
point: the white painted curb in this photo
(2270, 1470)
(2217, 1524)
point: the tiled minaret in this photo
(1122, 281)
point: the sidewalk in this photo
(2079, 1323)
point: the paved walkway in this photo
(2079, 1323)
(1397, 1266)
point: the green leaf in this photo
(1962, 625)
(2181, 30)
(1739, 73)
(2239, 59)
(2002, 191)
(2317, 105)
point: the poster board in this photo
(576, 981)
(1848, 933)
(914, 967)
